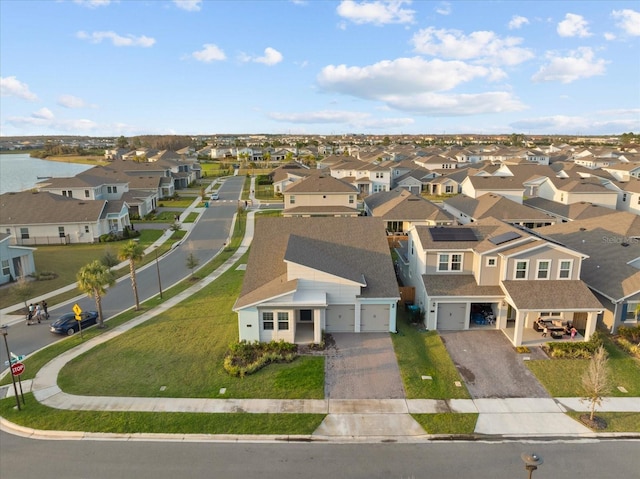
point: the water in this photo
(19, 172)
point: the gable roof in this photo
(400, 204)
(32, 208)
(495, 205)
(574, 211)
(319, 184)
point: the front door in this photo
(306, 315)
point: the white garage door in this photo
(451, 316)
(374, 318)
(340, 318)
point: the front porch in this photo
(531, 337)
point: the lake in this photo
(19, 172)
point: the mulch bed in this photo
(596, 423)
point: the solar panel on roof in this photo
(505, 237)
(452, 234)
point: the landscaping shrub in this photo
(576, 349)
(263, 180)
(630, 333)
(244, 358)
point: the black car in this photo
(67, 323)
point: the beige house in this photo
(320, 195)
(309, 275)
(462, 274)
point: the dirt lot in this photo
(490, 366)
(362, 366)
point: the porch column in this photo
(592, 319)
(358, 307)
(318, 321)
(519, 328)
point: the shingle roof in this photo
(495, 205)
(356, 247)
(320, 184)
(400, 204)
(551, 295)
(495, 183)
(572, 211)
(31, 208)
(457, 285)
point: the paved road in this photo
(206, 238)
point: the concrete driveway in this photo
(362, 366)
(490, 366)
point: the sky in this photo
(205, 67)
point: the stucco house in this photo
(574, 190)
(369, 178)
(507, 186)
(309, 275)
(458, 271)
(15, 261)
(320, 195)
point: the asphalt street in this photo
(206, 238)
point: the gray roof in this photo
(551, 295)
(32, 208)
(572, 211)
(494, 183)
(321, 210)
(497, 206)
(353, 248)
(400, 204)
(320, 184)
(457, 285)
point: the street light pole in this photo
(3, 331)
(158, 271)
(531, 462)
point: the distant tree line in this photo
(156, 142)
(60, 150)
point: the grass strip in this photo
(447, 423)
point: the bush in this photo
(577, 349)
(244, 358)
(631, 334)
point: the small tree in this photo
(109, 259)
(192, 262)
(93, 279)
(596, 380)
(175, 226)
(132, 251)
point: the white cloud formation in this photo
(609, 36)
(271, 57)
(11, 86)
(189, 5)
(573, 26)
(628, 20)
(580, 63)
(70, 101)
(410, 84)
(209, 53)
(517, 21)
(355, 119)
(116, 39)
(43, 114)
(483, 46)
(444, 8)
(92, 3)
(45, 119)
(379, 12)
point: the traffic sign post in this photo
(77, 309)
(17, 369)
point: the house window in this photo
(564, 272)
(543, 269)
(108, 189)
(351, 199)
(632, 308)
(448, 189)
(492, 261)
(379, 174)
(267, 321)
(624, 197)
(115, 189)
(548, 313)
(61, 231)
(6, 271)
(86, 193)
(67, 193)
(24, 233)
(292, 200)
(283, 321)
(450, 262)
(86, 228)
(521, 269)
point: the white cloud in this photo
(444, 8)
(45, 119)
(573, 26)
(117, 40)
(43, 114)
(11, 86)
(70, 101)
(609, 36)
(189, 5)
(483, 46)
(579, 125)
(323, 116)
(456, 104)
(628, 20)
(517, 21)
(209, 53)
(379, 12)
(580, 63)
(271, 57)
(92, 3)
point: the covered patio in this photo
(568, 301)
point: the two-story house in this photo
(458, 271)
(320, 195)
(369, 178)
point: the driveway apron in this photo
(362, 366)
(490, 366)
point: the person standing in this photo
(545, 331)
(30, 314)
(573, 333)
(38, 312)
(45, 308)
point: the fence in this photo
(43, 240)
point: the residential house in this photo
(320, 195)
(40, 218)
(611, 268)
(468, 210)
(284, 175)
(628, 194)
(306, 276)
(459, 271)
(567, 212)
(369, 178)
(575, 190)
(15, 261)
(400, 209)
(509, 187)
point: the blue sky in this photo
(131, 67)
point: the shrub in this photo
(244, 358)
(577, 349)
(630, 333)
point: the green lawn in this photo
(563, 377)
(191, 218)
(266, 193)
(616, 421)
(420, 354)
(447, 423)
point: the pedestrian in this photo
(30, 314)
(545, 331)
(45, 308)
(246, 203)
(38, 313)
(176, 217)
(573, 333)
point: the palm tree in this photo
(93, 279)
(132, 251)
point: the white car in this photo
(215, 196)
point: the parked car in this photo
(67, 323)
(215, 196)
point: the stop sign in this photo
(17, 369)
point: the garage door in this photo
(374, 318)
(451, 316)
(340, 318)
